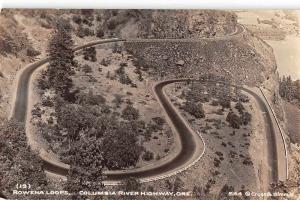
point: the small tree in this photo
(233, 120)
(194, 109)
(148, 155)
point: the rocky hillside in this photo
(191, 24)
(24, 35)
(241, 57)
(16, 50)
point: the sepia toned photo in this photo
(149, 104)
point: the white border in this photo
(153, 4)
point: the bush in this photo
(247, 161)
(120, 147)
(105, 62)
(112, 24)
(233, 120)
(99, 33)
(123, 77)
(47, 102)
(159, 121)
(90, 54)
(118, 100)
(90, 99)
(225, 102)
(77, 19)
(83, 32)
(36, 112)
(123, 64)
(148, 155)
(219, 112)
(194, 109)
(87, 69)
(43, 82)
(245, 118)
(214, 103)
(130, 113)
(98, 18)
(31, 52)
(239, 106)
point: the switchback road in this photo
(191, 147)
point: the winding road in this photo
(192, 145)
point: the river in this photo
(287, 54)
(287, 51)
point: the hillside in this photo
(103, 98)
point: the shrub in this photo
(225, 102)
(159, 121)
(32, 52)
(194, 109)
(90, 99)
(98, 18)
(105, 62)
(214, 103)
(90, 54)
(120, 148)
(99, 33)
(36, 111)
(77, 19)
(247, 161)
(50, 120)
(233, 120)
(245, 118)
(83, 32)
(47, 102)
(87, 69)
(239, 106)
(123, 64)
(148, 134)
(148, 155)
(118, 100)
(130, 113)
(112, 24)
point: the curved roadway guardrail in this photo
(281, 134)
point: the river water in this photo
(287, 51)
(287, 54)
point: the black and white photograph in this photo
(158, 104)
